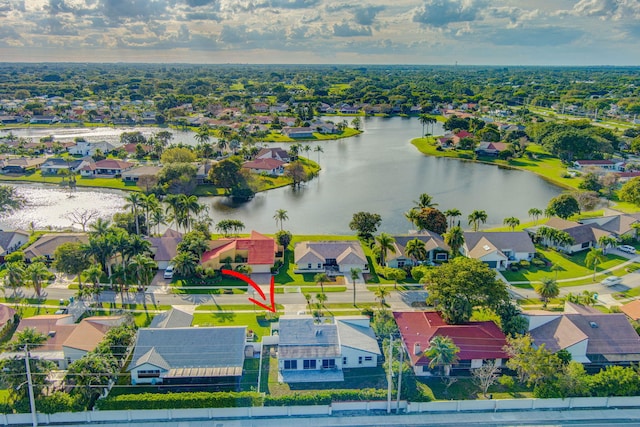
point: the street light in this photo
(32, 400)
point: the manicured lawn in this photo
(278, 137)
(249, 381)
(231, 307)
(115, 183)
(255, 322)
(572, 266)
(465, 389)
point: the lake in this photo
(378, 171)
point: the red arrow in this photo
(254, 285)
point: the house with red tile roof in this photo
(257, 251)
(265, 166)
(106, 167)
(632, 309)
(478, 341)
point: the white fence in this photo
(322, 410)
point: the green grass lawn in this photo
(572, 266)
(114, 183)
(465, 389)
(255, 322)
(231, 307)
(278, 137)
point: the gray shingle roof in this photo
(331, 249)
(301, 337)
(212, 348)
(174, 318)
(517, 241)
(431, 241)
(357, 337)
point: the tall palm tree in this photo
(512, 222)
(318, 149)
(14, 278)
(322, 298)
(150, 203)
(306, 149)
(535, 213)
(143, 267)
(606, 242)
(424, 201)
(593, 258)
(37, 272)
(412, 215)
(173, 208)
(381, 295)
(426, 119)
(185, 264)
(321, 279)
(93, 274)
(452, 214)
(280, 216)
(416, 249)
(202, 136)
(355, 275)
(188, 205)
(385, 243)
(476, 217)
(157, 218)
(99, 227)
(547, 289)
(134, 201)
(442, 352)
(455, 239)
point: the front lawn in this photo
(259, 323)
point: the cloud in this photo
(198, 3)
(608, 9)
(347, 30)
(539, 36)
(441, 13)
(364, 15)
(117, 10)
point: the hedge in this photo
(325, 397)
(181, 400)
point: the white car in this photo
(611, 281)
(168, 273)
(627, 248)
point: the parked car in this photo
(168, 273)
(611, 281)
(627, 248)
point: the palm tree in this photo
(412, 215)
(547, 289)
(556, 267)
(426, 119)
(99, 227)
(188, 205)
(150, 203)
(381, 294)
(512, 222)
(306, 149)
(322, 298)
(14, 278)
(185, 264)
(452, 214)
(143, 267)
(202, 136)
(321, 279)
(157, 218)
(308, 297)
(134, 201)
(605, 242)
(535, 213)
(593, 258)
(424, 201)
(455, 239)
(37, 272)
(280, 216)
(355, 275)
(443, 352)
(416, 249)
(385, 243)
(477, 217)
(93, 274)
(318, 149)
(173, 208)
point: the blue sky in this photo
(494, 32)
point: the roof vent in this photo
(52, 334)
(593, 325)
(486, 247)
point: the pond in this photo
(378, 171)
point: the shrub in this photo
(524, 264)
(181, 400)
(507, 382)
(325, 397)
(537, 262)
(58, 402)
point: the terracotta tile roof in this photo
(261, 249)
(6, 315)
(263, 164)
(476, 340)
(632, 309)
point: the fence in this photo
(322, 410)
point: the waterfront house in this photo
(338, 256)
(274, 153)
(165, 248)
(491, 148)
(53, 165)
(11, 241)
(498, 249)
(106, 168)
(584, 236)
(21, 165)
(298, 132)
(47, 244)
(134, 174)
(437, 250)
(267, 166)
(256, 251)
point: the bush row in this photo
(325, 397)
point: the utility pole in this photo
(389, 374)
(400, 378)
(32, 399)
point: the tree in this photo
(593, 258)
(318, 149)
(590, 182)
(442, 352)
(280, 216)
(185, 264)
(384, 243)
(15, 275)
(10, 200)
(134, 201)
(563, 206)
(395, 274)
(485, 376)
(365, 224)
(91, 374)
(297, 173)
(355, 275)
(143, 267)
(321, 279)
(71, 258)
(13, 374)
(381, 294)
(178, 155)
(37, 272)
(225, 174)
(547, 289)
(416, 249)
(458, 286)
(452, 214)
(455, 239)
(430, 219)
(512, 222)
(534, 366)
(535, 213)
(476, 217)
(284, 238)
(630, 191)
(606, 242)
(321, 298)
(424, 201)
(28, 336)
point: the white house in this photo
(330, 256)
(89, 148)
(498, 249)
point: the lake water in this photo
(378, 171)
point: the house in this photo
(318, 352)
(590, 336)
(11, 120)
(132, 149)
(165, 248)
(90, 148)
(53, 165)
(605, 165)
(498, 249)
(134, 174)
(491, 148)
(274, 153)
(265, 166)
(478, 341)
(67, 341)
(618, 225)
(436, 248)
(184, 356)
(22, 165)
(47, 244)
(7, 318)
(585, 236)
(257, 251)
(330, 256)
(298, 132)
(174, 318)
(632, 310)
(11, 241)
(43, 120)
(106, 167)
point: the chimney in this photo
(416, 349)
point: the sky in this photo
(466, 32)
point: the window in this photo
(319, 265)
(585, 245)
(368, 358)
(309, 266)
(151, 373)
(328, 363)
(290, 364)
(309, 364)
(344, 360)
(442, 256)
(400, 264)
(359, 360)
